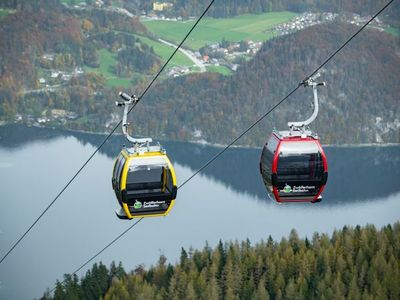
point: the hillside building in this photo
(160, 6)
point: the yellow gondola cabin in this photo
(143, 179)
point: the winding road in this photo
(197, 62)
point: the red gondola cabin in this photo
(293, 166)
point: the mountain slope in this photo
(359, 105)
(50, 58)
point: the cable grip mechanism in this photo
(308, 82)
(127, 103)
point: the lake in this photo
(226, 201)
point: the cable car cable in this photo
(106, 138)
(242, 134)
(287, 96)
(102, 250)
(349, 40)
(177, 48)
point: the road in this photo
(197, 62)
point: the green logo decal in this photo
(137, 205)
(287, 189)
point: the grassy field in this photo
(244, 27)
(70, 2)
(164, 52)
(219, 69)
(107, 62)
(5, 12)
(115, 3)
(210, 30)
(393, 31)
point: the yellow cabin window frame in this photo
(124, 175)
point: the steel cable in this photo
(240, 135)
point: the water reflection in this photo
(355, 173)
(220, 203)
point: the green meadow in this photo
(256, 27)
(164, 52)
(5, 12)
(393, 31)
(219, 69)
(245, 27)
(107, 62)
(70, 2)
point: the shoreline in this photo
(199, 142)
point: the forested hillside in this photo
(63, 67)
(352, 263)
(360, 103)
(55, 58)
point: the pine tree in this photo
(213, 289)
(354, 291)
(184, 258)
(59, 293)
(172, 293)
(117, 291)
(261, 293)
(279, 285)
(190, 293)
(290, 290)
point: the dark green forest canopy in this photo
(352, 263)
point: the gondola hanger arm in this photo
(309, 82)
(127, 103)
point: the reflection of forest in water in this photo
(355, 173)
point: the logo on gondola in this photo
(287, 189)
(137, 205)
(153, 204)
(303, 188)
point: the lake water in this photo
(227, 201)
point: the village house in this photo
(161, 6)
